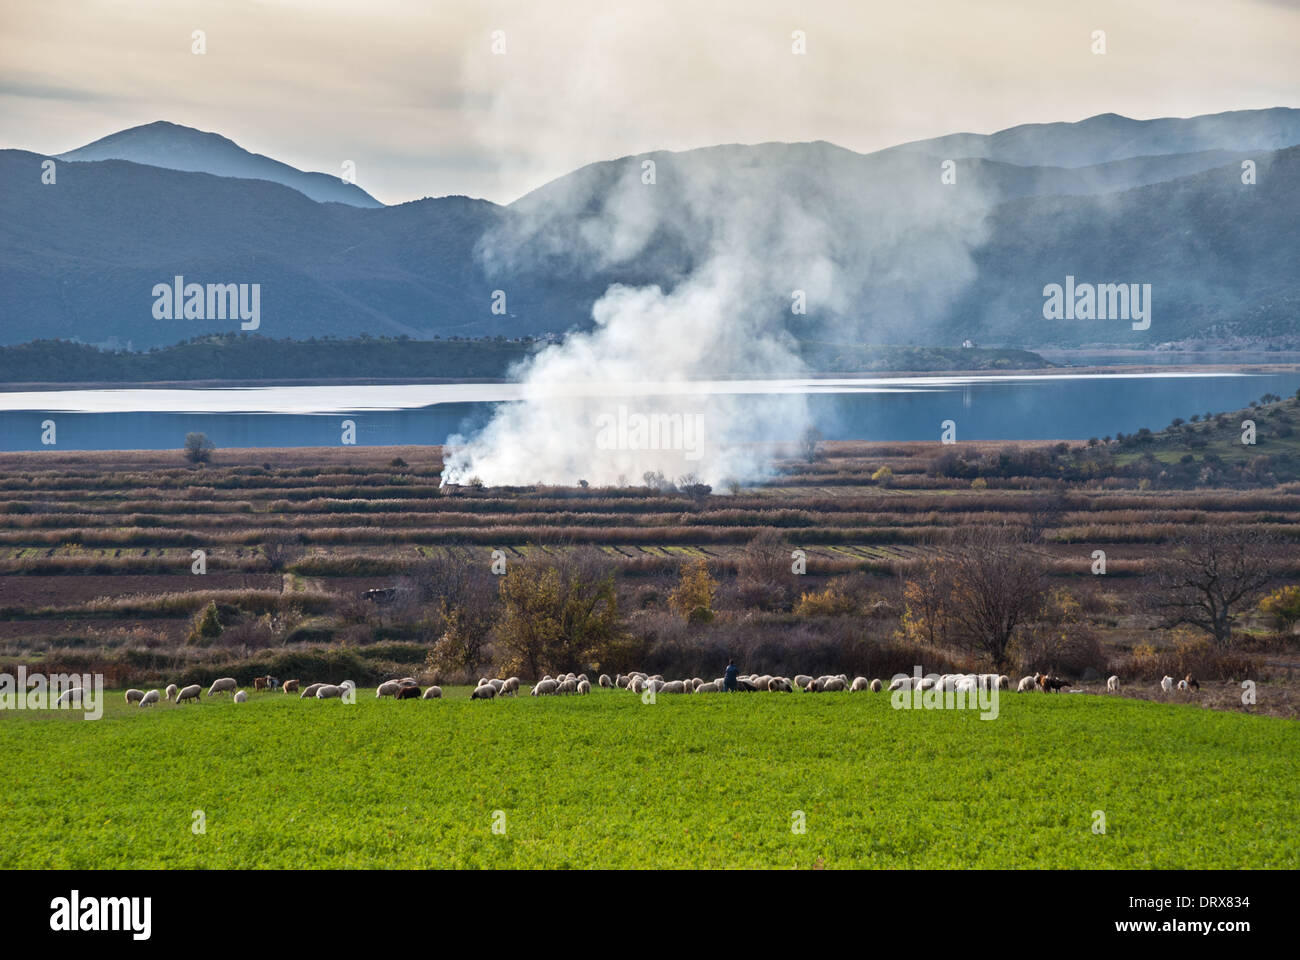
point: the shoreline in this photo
(1091, 370)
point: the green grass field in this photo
(689, 781)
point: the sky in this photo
(415, 96)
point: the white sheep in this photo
(672, 686)
(497, 684)
(876, 685)
(510, 688)
(149, 698)
(484, 692)
(330, 691)
(859, 683)
(584, 686)
(900, 683)
(545, 688)
(134, 696)
(240, 696)
(1167, 684)
(1112, 684)
(568, 686)
(621, 681)
(636, 685)
(834, 684)
(713, 686)
(309, 692)
(582, 677)
(604, 680)
(223, 685)
(1182, 685)
(1004, 682)
(779, 685)
(171, 691)
(1026, 684)
(188, 693)
(433, 693)
(388, 689)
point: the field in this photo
(98, 575)
(688, 781)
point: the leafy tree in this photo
(207, 625)
(198, 448)
(693, 598)
(560, 616)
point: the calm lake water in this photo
(1068, 407)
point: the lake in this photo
(1012, 407)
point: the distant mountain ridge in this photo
(175, 147)
(929, 264)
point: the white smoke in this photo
(732, 237)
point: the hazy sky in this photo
(413, 94)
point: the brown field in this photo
(95, 555)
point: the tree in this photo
(1209, 579)
(198, 448)
(280, 548)
(559, 615)
(763, 571)
(810, 443)
(998, 587)
(207, 625)
(693, 598)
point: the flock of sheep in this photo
(408, 688)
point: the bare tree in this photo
(1209, 579)
(998, 587)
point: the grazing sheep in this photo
(924, 683)
(835, 685)
(779, 685)
(582, 677)
(621, 681)
(388, 689)
(512, 686)
(407, 692)
(584, 686)
(672, 686)
(711, 687)
(134, 696)
(484, 692)
(171, 691)
(604, 680)
(1182, 685)
(289, 686)
(240, 696)
(149, 698)
(1112, 684)
(433, 693)
(1190, 683)
(802, 680)
(329, 691)
(876, 685)
(497, 684)
(545, 688)
(309, 691)
(1026, 684)
(636, 685)
(223, 685)
(859, 683)
(188, 693)
(900, 683)
(1167, 684)
(568, 686)
(1004, 682)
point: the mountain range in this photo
(926, 243)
